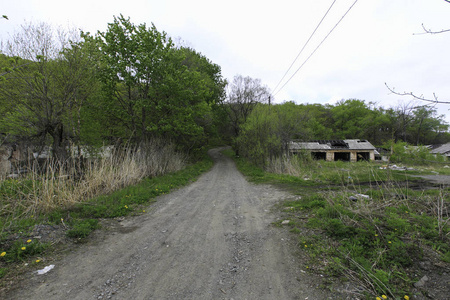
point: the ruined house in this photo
(442, 149)
(333, 150)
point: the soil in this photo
(213, 239)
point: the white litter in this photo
(362, 196)
(45, 270)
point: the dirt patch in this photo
(436, 179)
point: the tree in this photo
(48, 80)
(152, 88)
(243, 94)
(129, 61)
(426, 126)
(347, 117)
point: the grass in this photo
(80, 217)
(362, 222)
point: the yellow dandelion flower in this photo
(3, 254)
(378, 298)
(406, 297)
(143, 210)
(384, 296)
(376, 234)
(306, 246)
(23, 248)
(29, 241)
(38, 260)
(390, 242)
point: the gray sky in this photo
(374, 43)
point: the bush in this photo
(418, 155)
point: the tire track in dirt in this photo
(210, 240)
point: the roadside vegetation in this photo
(67, 95)
(371, 225)
(117, 186)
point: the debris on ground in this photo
(45, 270)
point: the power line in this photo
(317, 47)
(301, 51)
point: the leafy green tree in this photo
(129, 61)
(152, 88)
(348, 118)
(320, 122)
(47, 83)
(425, 126)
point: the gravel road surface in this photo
(210, 240)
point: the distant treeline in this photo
(412, 123)
(268, 128)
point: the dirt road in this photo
(210, 240)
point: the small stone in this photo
(421, 282)
(425, 265)
(285, 222)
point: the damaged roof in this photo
(443, 149)
(354, 144)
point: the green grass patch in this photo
(83, 228)
(363, 221)
(372, 237)
(21, 250)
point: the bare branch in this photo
(429, 31)
(435, 100)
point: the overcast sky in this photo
(377, 42)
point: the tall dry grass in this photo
(299, 166)
(55, 188)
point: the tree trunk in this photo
(59, 149)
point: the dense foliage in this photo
(129, 83)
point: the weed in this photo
(82, 228)
(20, 250)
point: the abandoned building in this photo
(334, 150)
(442, 149)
